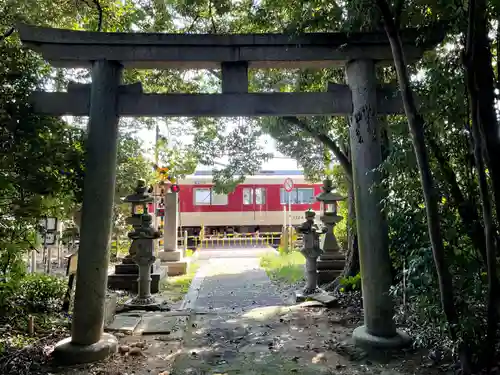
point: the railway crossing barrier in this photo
(236, 240)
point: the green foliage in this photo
(286, 267)
(118, 248)
(179, 159)
(176, 287)
(34, 293)
(351, 283)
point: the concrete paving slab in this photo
(160, 324)
(124, 323)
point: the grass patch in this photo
(177, 286)
(286, 267)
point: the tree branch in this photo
(327, 141)
(190, 28)
(214, 28)
(8, 33)
(99, 12)
(398, 11)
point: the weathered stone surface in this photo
(176, 268)
(160, 324)
(365, 140)
(327, 276)
(98, 196)
(110, 307)
(69, 353)
(206, 51)
(133, 269)
(171, 227)
(330, 264)
(124, 323)
(363, 338)
(170, 256)
(129, 281)
(321, 296)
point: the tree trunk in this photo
(351, 267)
(480, 84)
(468, 213)
(416, 126)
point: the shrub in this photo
(34, 293)
(41, 293)
(351, 283)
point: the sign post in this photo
(288, 186)
(48, 229)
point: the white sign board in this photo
(288, 185)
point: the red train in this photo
(255, 205)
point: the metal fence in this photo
(236, 240)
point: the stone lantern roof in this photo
(326, 195)
(141, 194)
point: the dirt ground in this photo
(303, 339)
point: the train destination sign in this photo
(288, 184)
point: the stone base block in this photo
(176, 268)
(301, 297)
(320, 296)
(170, 256)
(150, 305)
(110, 307)
(68, 353)
(327, 276)
(121, 269)
(331, 264)
(129, 281)
(364, 339)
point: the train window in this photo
(205, 196)
(260, 196)
(202, 196)
(257, 196)
(219, 199)
(305, 195)
(297, 196)
(247, 196)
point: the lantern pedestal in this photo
(126, 275)
(331, 262)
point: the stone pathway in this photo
(238, 325)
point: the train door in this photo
(249, 207)
(261, 204)
(255, 204)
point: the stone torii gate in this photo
(106, 99)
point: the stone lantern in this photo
(142, 248)
(331, 262)
(311, 250)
